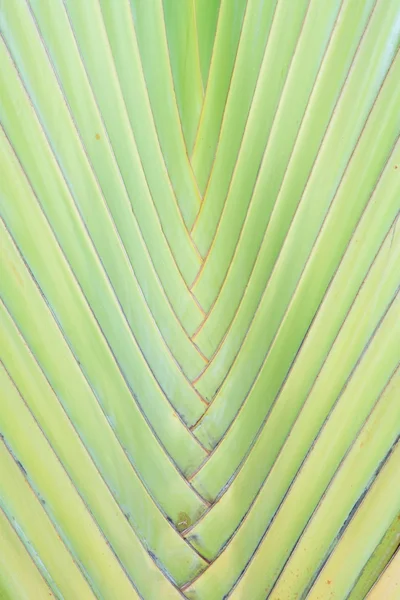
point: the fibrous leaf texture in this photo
(200, 309)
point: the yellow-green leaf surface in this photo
(388, 585)
(200, 299)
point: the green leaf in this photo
(199, 312)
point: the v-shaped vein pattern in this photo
(200, 308)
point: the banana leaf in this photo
(200, 308)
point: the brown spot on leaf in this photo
(184, 521)
(97, 136)
(329, 581)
